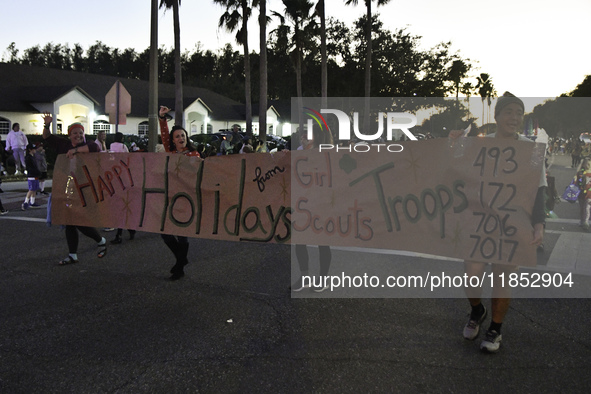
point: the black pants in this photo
(178, 245)
(72, 236)
(325, 256)
(120, 232)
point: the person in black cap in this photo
(509, 111)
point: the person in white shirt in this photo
(17, 141)
(118, 146)
(100, 141)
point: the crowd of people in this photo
(575, 147)
(509, 112)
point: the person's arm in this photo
(164, 133)
(46, 122)
(538, 219)
(88, 148)
(9, 141)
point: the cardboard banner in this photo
(238, 198)
(471, 199)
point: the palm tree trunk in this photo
(247, 89)
(368, 57)
(299, 79)
(153, 91)
(263, 71)
(323, 57)
(367, 68)
(178, 77)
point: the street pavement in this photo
(119, 325)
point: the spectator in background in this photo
(16, 142)
(583, 182)
(3, 158)
(100, 141)
(33, 175)
(576, 154)
(117, 146)
(42, 166)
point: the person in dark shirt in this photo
(76, 144)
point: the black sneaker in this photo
(472, 328)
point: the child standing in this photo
(33, 175)
(41, 166)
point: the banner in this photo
(470, 199)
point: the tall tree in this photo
(238, 12)
(263, 70)
(458, 71)
(486, 90)
(178, 77)
(298, 12)
(368, 40)
(320, 10)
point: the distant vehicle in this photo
(585, 137)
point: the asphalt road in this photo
(118, 325)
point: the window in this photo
(142, 128)
(4, 126)
(101, 125)
(209, 129)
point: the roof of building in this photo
(22, 85)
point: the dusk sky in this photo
(533, 49)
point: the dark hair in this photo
(172, 146)
(16, 124)
(118, 137)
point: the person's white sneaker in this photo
(492, 342)
(299, 285)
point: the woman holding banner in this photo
(509, 111)
(76, 144)
(176, 142)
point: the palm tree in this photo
(486, 90)
(178, 77)
(238, 11)
(298, 12)
(467, 89)
(457, 72)
(368, 39)
(323, 56)
(263, 70)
